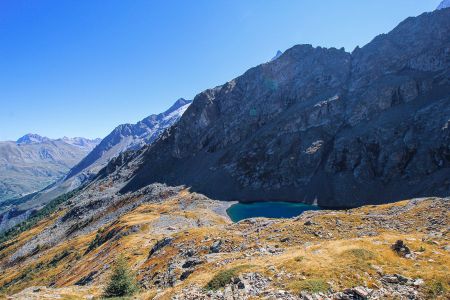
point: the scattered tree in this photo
(122, 281)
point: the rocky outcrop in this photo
(341, 128)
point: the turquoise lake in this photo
(241, 211)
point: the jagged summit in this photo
(444, 4)
(80, 141)
(179, 103)
(130, 137)
(278, 54)
(31, 138)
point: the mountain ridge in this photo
(229, 133)
(141, 133)
(444, 4)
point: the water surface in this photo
(240, 211)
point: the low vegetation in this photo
(224, 277)
(360, 254)
(37, 216)
(332, 253)
(436, 288)
(314, 285)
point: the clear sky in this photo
(81, 67)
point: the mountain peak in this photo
(179, 103)
(444, 4)
(278, 54)
(32, 138)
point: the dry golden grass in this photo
(308, 262)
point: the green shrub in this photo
(122, 281)
(361, 254)
(436, 288)
(314, 285)
(58, 257)
(222, 278)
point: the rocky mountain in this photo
(444, 4)
(32, 138)
(315, 124)
(33, 162)
(319, 125)
(123, 138)
(129, 137)
(278, 54)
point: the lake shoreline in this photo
(267, 209)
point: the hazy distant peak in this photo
(32, 138)
(278, 54)
(444, 4)
(80, 141)
(179, 103)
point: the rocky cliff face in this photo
(321, 124)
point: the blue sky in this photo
(80, 68)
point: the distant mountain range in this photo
(33, 162)
(71, 162)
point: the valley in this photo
(33, 162)
(321, 174)
(180, 243)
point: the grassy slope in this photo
(338, 256)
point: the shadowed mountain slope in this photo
(341, 128)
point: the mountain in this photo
(33, 162)
(123, 138)
(32, 138)
(278, 54)
(320, 125)
(314, 125)
(129, 137)
(444, 4)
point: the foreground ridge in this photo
(180, 243)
